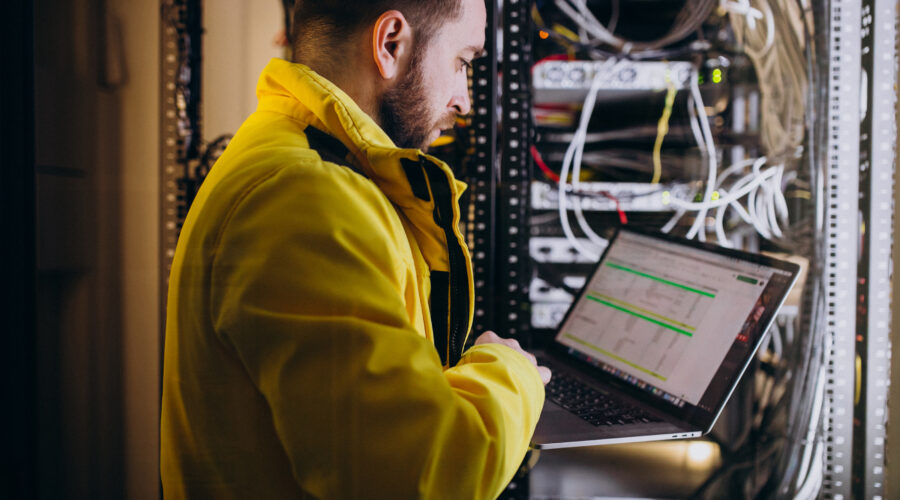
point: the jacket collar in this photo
(296, 90)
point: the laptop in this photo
(657, 340)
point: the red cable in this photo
(555, 178)
(622, 218)
(543, 166)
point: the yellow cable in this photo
(536, 15)
(566, 32)
(662, 129)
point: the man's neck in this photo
(356, 76)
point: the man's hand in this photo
(490, 337)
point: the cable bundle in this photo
(771, 42)
(593, 31)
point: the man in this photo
(321, 292)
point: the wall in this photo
(239, 42)
(237, 45)
(139, 108)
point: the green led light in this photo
(715, 195)
(717, 75)
(666, 197)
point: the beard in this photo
(404, 112)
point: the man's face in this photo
(434, 89)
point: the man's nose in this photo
(460, 101)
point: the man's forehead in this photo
(471, 25)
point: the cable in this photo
(742, 7)
(553, 176)
(689, 19)
(711, 156)
(774, 49)
(701, 144)
(613, 16)
(663, 129)
(579, 143)
(586, 112)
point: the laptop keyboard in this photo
(591, 404)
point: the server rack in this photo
(855, 159)
(853, 153)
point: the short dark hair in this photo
(319, 27)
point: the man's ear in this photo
(391, 43)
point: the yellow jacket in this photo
(319, 300)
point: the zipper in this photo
(458, 298)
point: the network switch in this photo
(559, 250)
(569, 81)
(600, 196)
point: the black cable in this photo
(735, 462)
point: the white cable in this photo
(732, 169)
(695, 126)
(731, 197)
(789, 330)
(720, 212)
(710, 151)
(579, 142)
(761, 211)
(812, 444)
(813, 483)
(701, 145)
(736, 187)
(598, 32)
(571, 152)
(743, 8)
(720, 224)
(777, 345)
(679, 213)
(780, 201)
(765, 204)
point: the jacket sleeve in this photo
(311, 302)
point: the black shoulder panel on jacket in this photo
(329, 148)
(416, 177)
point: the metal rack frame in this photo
(861, 153)
(484, 177)
(513, 267)
(180, 32)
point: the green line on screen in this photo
(639, 315)
(641, 309)
(623, 360)
(661, 280)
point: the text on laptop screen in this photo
(666, 315)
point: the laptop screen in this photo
(678, 321)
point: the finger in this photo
(487, 337)
(545, 374)
(512, 344)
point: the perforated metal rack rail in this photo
(513, 316)
(480, 228)
(181, 33)
(861, 151)
(877, 155)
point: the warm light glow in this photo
(699, 452)
(544, 35)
